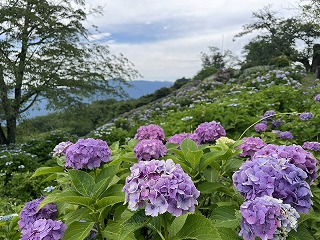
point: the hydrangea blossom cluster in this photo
(268, 115)
(250, 146)
(179, 137)
(149, 149)
(276, 123)
(44, 229)
(61, 148)
(317, 98)
(313, 146)
(294, 154)
(161, 186)
(267, 218)
(283, 135)
(151, 131)
(30, 213)
(210, 131)
(306, 116)
(261, 127)
(87, 154)
(274, 177)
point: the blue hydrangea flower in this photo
(306, 116)
(261, 127)
(149, 149)
(283, 135)
(317, 98)
(274, 177)
(294, 154)
(250, 146)
(44, 229)
(160, 186)
(313, 146)
(267, 218)
(268, 115)
(151, 131)
(210, 131)
(30, 212)
(87, 154)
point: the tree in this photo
(283, 34)
(45, 51)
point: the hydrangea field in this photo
(224, 158)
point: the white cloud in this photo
(181, 30)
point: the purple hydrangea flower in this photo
(274, 177)
(87, 154)
(149, 149)
(317, 98)
(276, 123)
(210, 131)
(61, 148)
(30, 212)
(261, 127)
(178, 138)
(313, 146)
(151, 131)
(267, 218)
(44, 229)
(250, 146)
(161, 186)
(294, 154)
(306, 116)
(283, 135)
(268, 115)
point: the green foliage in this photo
(280, 62)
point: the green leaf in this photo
(104, 179)
(198, 227)
(193, 157)
(225, 217)
(188, 145)
(76, 215)
(302, 233)
(82, 181)
(209, 187)
(210, 174)
(177, 225)
(109, 201)
(123, 229)
(46, 170)
(209, 158)
(70, 197)
(78, 230)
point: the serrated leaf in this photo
(46, 170)
(109, 201)
(193, 157)
(177, 225)
(78, 231)
(76, 215)
(82, 181)
(210, 174)
(67, 197)
(225, 217)
(198, 227)
(123, 229)
(187, 145)
(301, 234)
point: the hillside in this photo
(139, 88)
(235, 101)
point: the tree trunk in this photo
(3, 139)
(11, 129)
(315, 58)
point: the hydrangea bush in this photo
(216, 184)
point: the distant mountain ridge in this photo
(139, 88)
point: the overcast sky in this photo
(164, 38)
